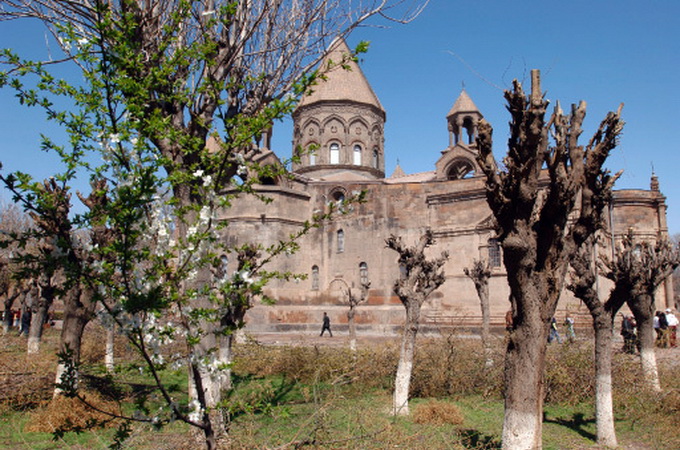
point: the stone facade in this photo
(338, 134)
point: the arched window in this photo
(338, 196)
(375, 158)
(312, 158)
(363, 273)
(357, 155)
(335, 153)
(341, 241)
(315, 278)
(494, 253)
(460, 169)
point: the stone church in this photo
(342, 125)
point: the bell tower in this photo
(463, 119)
(459, 159)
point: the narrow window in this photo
(494, 253)
(312, 158)
(375, 158)
(335, 153)
(357, 155)
(363, 273)
(341, 241)
(315, 278)
(222, 271)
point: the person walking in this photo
(673, 323)
(326, 325)
(569, 325)
(554, 334)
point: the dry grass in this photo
(26, 380)
(72, 414)
(436, 412)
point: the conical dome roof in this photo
(463, 104)
(340, 83)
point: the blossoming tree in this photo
(160, 80)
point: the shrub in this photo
(454, 366)
(569, 374)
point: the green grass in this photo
(326, 398)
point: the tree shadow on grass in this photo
(577, 423)
(474, 439)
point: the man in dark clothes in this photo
(326, 325)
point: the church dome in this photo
(339, 125)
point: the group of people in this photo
(21, 320)
(568, 329)
(666, 327)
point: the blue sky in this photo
(604, 52)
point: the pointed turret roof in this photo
(463, 104)
(398, 172)
(341, 83)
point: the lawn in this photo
(323, 397)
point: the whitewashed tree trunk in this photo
(402, 380)
(110, 342)
(36, 329)
(649, 368)
(524, 364)
(61, 368)
(604, 410)
(226, 357)
(643, 309)
(352, 328)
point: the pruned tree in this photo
(641, 267)
(418, 278)
(479, 273)
(354, 299)
(80, 298)
(534, 201)
(676, 276)
(53, 228)
(12, 222)
(583, 284)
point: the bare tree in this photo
(12, 222)
(479, 273)
(641, 267)
(354, 300)
(676, 277)
(533, 209)
(418, 278)
(583, 285)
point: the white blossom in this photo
(204, 215)
(245, 276)
(196, 412)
